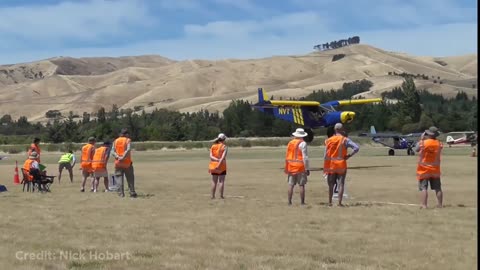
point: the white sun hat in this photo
(299, 132)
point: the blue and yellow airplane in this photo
(309, 114)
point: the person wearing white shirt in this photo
(297, 165)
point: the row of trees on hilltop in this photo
(415, 110)
(337, 43)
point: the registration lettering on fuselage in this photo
(284, 110)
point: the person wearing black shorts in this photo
(218, 164)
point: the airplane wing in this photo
(265, 102)
(412, 135)
(345, 102)
(381, 135)
(461, 132)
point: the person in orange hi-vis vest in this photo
(335, 161)
(218, 164)
(121, 150)
(99, 165)
(297, 164)
(88, 150)
(35, 147)
(32, 168)
(428, 167)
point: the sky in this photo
(32, 30)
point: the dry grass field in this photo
(173, 224)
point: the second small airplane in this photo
(394, 141)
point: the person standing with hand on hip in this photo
(335, 161)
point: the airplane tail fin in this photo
(450, 139)
(262, 96)
(372, 130)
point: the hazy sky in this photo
(215, 29)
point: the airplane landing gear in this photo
(410, 152)
(310, 136)
(391, 152)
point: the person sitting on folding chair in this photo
(32, 166)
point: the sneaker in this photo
(106, 190)
(82, 190)
(134, 195)
(95, 190)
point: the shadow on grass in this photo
(355, 167)
(383, 204)
(145, 195)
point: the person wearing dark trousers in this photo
(121, 150)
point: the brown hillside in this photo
(85, 84)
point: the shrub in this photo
(245, 143)
(440, 62)
(337, 57)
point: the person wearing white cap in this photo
(218, 164)
(296, 164)
(335, 161)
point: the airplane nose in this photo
(347, 117)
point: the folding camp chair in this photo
(26, 180)
(42, 185)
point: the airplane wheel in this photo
(310, 136)
(391, 152)
(410, 152)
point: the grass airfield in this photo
(174, 224)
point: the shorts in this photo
(334, 178)
(87, 172)
(221, 173)
(65, 165)
(100, 173)
(299, 178)
(435, 184)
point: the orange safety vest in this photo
(99, 160)
(429, 159)
(294, 157)
(335, 154)
(26, 167)
(120, 147)
(88, 151)
(34, 148)
(217, 151)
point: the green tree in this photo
(409, 108)
(7, 119)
